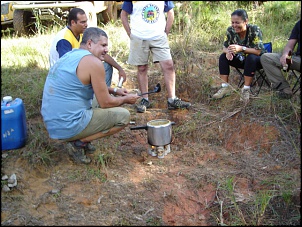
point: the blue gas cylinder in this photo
(13, 123)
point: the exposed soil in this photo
(212, 142)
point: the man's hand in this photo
(122, 74)
(286, 61)
(131, 98)
(121, 91)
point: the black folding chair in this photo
(259, 78)
(293, 77)
(296, 80)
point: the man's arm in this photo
(114, 64)
(289, 47)
(63, 46)
(170, 19)
(292, 41)
(125, 22)
(91, 71)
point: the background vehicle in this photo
(7, 12)
(28, 16)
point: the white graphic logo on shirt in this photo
(150, 13)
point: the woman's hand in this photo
(234, 48)
(229, 56)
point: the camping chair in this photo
(293, 77)
(294, 80)
(259, 78)
(296, 86)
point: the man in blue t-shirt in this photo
(70, 37)
(272, 64)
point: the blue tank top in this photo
(66, 103)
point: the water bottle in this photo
(13, 123)
(120, 83)
(288, 62)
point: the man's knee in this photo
(142, 68)
(264, 58)
(123, 117)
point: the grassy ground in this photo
(229, 165)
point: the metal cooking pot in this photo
(159, 132)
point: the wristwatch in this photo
(243, 48)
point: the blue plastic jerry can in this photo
(13, 123)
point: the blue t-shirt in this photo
(62, 43)
(66, 103)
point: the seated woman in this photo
(242, 48)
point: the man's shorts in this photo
(103, 120)
(140, 50)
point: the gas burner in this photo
(159, 151)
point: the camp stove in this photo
(159, 136)
(159, 151)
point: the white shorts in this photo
(140, 50)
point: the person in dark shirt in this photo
(272, 63)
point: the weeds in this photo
(251, 212)
(105, 160)
(88, 175)
(262, 201)
(154, 221)
(171, 196)
(92, 173)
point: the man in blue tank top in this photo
(69, 87)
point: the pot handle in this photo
(139, 127)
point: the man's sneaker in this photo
(222, 92)
(77, 153)
(285, 93)
(178, 104)
(89, 148)
(143, 105)
(245, 95)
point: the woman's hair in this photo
(240, 13)
(94, 34)
(73, 14)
